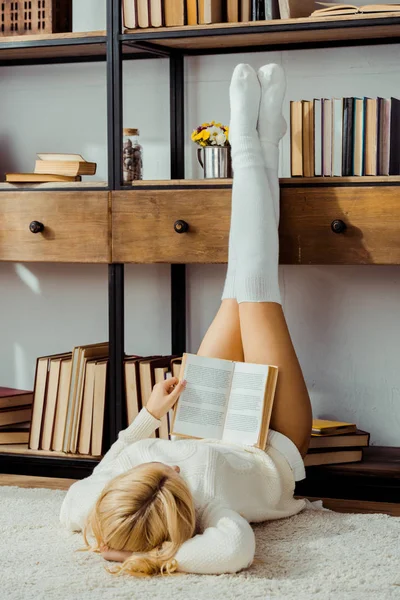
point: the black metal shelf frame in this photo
(145, 48)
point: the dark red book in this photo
(11, 398)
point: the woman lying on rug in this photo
(162, 506)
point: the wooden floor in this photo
(338, 505)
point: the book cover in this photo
(245, 11)
(191, 11)
(318, 138)
(174, 13)
(296, 138)
(371, 137)
(143, 13)
(11, 397)
(332, 457)
(327, 137)
(394, 165)
(356, 439)
(337, 136)
(384, 110)
(348, 134)
(210, 11)
(326, 426)
(308, 138)
(129, 14)
(99, 402)
(156, 13)
(358, 136)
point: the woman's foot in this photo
(245, 96)
(271, 123)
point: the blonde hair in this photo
(146, 511)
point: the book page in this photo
(245, 408)
(203, 404)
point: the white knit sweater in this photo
(231, 486)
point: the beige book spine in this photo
(85, 429)
(38, 402)
(51, 401)
(62, 404)
(99, 399)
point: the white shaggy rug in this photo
(317, 554)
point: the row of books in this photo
(177, 13)
(15, 415)
(335, 442)
(345, 137)
(55, 168)
(65, 412)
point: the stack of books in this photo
(344, 137)
(335, 442)
(70, 396)
(15, 415)
(177, 13)
(64, 168)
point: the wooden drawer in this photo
(143, 225)
(371, 215)
(76, 227)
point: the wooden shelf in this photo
(375, 478)
(57, 47)
(306, 32)
(23, 449)
(15, 187)
(284, 182)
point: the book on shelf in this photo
(296, 138)
(11, 398)
(308, 138)
(156, 13)
(19, 414)
(39, 395)
(336, 10)
(245, 10)
(337, 136)
(332, 457)
(327, 137)
(371, 136)
(191, 11)
(226, 400)
(17, 433)
(264, 10)
(143, 13)
(61, 405)
(64, 165)
(79, 354)
(40, 178)
(317, 137)
(232, 11)
(174, 13)
(129, 14)
(356, 439)
(50, 403)
(99, 401)
(328, 427)
(86, 417)
(133, 392)
(348, 134)
(209, 11)
(358, 136)
(345, 137)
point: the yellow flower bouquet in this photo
(211, 134)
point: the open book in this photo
(332, 10)
(225, 400)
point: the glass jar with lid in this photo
(132, 156)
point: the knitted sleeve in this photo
(226, 545)
(140, 428)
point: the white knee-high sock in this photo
(271, 124)
(253, 222)
(245, 95)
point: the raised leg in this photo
(223, 339)
(255, 219)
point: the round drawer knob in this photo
(181, 226)
(338, 226)
(36, 227)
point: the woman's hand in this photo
(164, 396)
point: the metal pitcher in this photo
(216, 161)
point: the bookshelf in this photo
(319, 201)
